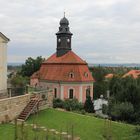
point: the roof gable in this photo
(4, 37)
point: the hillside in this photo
(87, 127)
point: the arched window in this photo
(88, 92)
(68, 40)
(55, 92)
(59, 40)
(70, 93)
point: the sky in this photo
(104, 31)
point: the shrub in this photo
(137, 130)
(104, 109)
(72, 104)
(83, 112)
(88, 106)
(68, 104)
(58, 103)
(122, 111)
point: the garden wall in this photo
(11, 107)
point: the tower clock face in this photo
(59, 40)
(68, 40)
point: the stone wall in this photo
(11, 107)
(47, 102)
(3, 94)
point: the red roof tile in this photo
(69, 57)
(109, 76)
(59, 69)
(133, 73)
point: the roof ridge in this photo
(4, 37)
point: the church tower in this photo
(3, 64)
(63, 37)
(64, 71)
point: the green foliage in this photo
(98, 73)
(136, 133)
(19, 85)
(100, 88)
(88, 106)
(19, 81)
(137, 130)
(122, 111)
(31, 65)
(83, 112)
(68, 104)
(124, 90)
(72, 105)
(105, 109)
(58, 103)
(100, 85)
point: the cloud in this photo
(107, 29)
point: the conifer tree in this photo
(88, 106)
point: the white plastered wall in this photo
(3, 65)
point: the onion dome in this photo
(64, 21)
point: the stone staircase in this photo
(29, 109)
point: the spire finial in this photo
(64, 13)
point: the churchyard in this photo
(84, 126)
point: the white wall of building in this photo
(3, 65)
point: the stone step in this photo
(27, 110)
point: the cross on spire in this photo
(64, 13)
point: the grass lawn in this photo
(88, 128)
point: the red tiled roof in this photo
(133, 73)
(59, 69)
(109, 76)
(69, 57)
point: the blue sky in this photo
(104, 31)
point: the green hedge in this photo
(68, 104)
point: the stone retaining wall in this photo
(11, 107)
(3, 94)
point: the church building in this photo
(3, 64)
(64, 71)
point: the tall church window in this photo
(71, 94)
(88, 91)
(55, 92)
